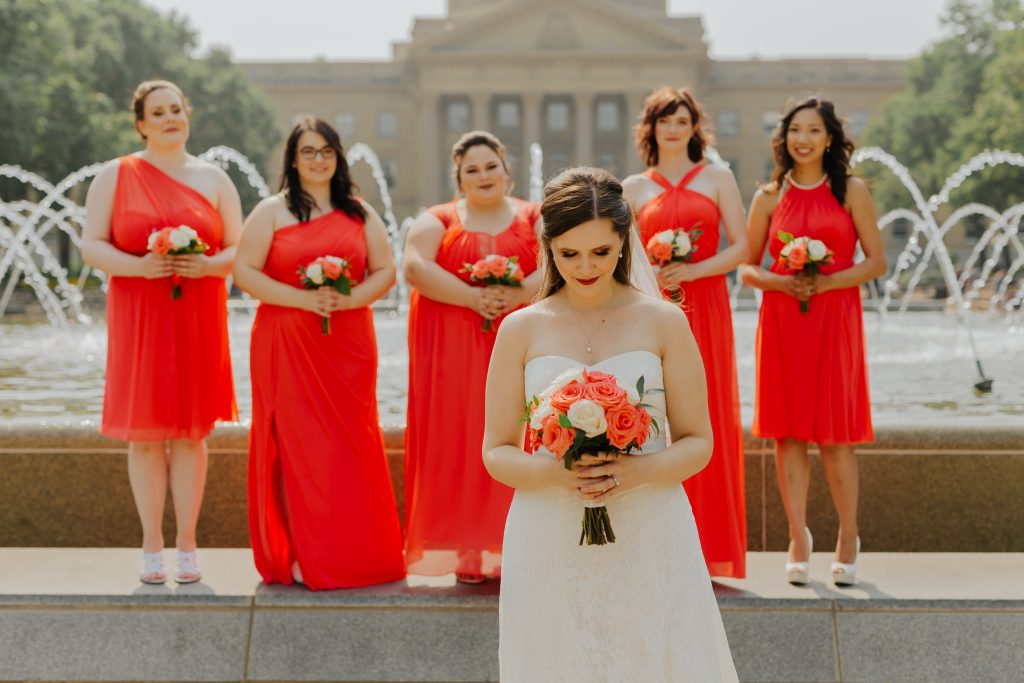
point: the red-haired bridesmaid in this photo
(454, 511)
(681, 190)
(168, 365)
(321, 508)
(812, 383)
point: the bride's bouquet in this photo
(803, 257)
(586, 411)
(174, 241)
(675, 245)
(330, 271)
(495, 269)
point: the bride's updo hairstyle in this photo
(574, 197)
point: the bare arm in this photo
(731, 207)
(752, 273)
(380, 264)
(865, 221)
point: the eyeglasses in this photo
(325, 153)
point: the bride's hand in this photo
(604, 475)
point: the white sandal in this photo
(188, 567)
(151, 568)
(846, 574)
(798, 573)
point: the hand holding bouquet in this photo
(495, 269)
(327, 271)
(586, 411)
(175, 241)
(803, 257)
(675, 245)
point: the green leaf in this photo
(640, 386)
(785, 237)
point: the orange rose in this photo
(659, 252)
(555, 437)
(331, 269)
(643, 426)
(598, 376)
(797, 257)
(605, 394)
(518, 275)
(566, 396)
(161, 244)
(622, 425)
(498, 266)
(480, 270)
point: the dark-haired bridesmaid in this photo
(812, 383)
(321, 508)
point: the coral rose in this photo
(480, 270)
(498, 266)
(659, 252)
(564, 397)
(556, 438)
(160, 242)
(643, 427)
(623, 425)
(797, 258)
(332, 269)
(606, 394)
(598, 376)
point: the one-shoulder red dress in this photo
(319, 489)
(168, 363)
(454, 511)
(716, 493)
(812, 378)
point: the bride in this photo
(641, 608)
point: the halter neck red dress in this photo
(717, 493)
(319, 488)
(168, 363)
(454, 511)
(812, 379)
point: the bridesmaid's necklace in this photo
(579, 323)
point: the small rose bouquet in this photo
(676, 245)
(327, 271)
(495, 269)
(174, 241)
(586, 411)
(803, 257)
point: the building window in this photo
(558, 116)
(508, 114)
(390, 169)
(974, 227)
(345, 122)
(858, 123)
(387, 124)
(554, 164)
(728, 123)
(607, 116)
(457, 116)
(901, 228)
(769, 120)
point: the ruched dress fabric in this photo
(639, 609)
(812, 379)
(454, 511)
(717, 493)
(319, 487)
(168, 362)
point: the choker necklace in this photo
(579, 323)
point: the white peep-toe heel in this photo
(798, 573)
(151, 568)
(846, 574)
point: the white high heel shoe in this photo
(846, 574)
(798, 572)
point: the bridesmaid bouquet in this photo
(803, 257)
(174, 241)
(676, 244)
(330, 271)
(586, 411)
(495, 269)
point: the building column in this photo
(480, 103)
(428, 187)
(634, 105)
(584, 105)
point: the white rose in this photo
(336, 260)
(490, 257)
(816, 249)
(188, 231)
(683, 244)
(567, 377)
(179, 239)
(315, 274)
(665, 236)
(543, 410)
(151, 241)
(786, 249)
(588, 416)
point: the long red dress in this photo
(812, 380)
(168, 363)
(319, 488)
(717, 493)
(454, 511)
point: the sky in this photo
(365, 29)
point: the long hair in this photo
(574, 197)
(663, 102)
(472, 139)
(343, 190)
(837, 155)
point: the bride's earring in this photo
(620, 254)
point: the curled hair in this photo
(837, 155)
(663, 102)
(343, 190)
(143, 90)
(572, 198)
(470, 140)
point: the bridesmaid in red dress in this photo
(681, 190)
(812, 383)
(168, 366)
(454, 511)
(321, 508)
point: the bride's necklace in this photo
(579, 322)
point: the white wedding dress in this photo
(637, 610)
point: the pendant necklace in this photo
(579, 323)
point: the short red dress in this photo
(454, 511)
(168, 363)
(812, 377)
(319, 488)
(718, 492)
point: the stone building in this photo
(569, 74)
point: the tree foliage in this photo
(68, 69)
(965, 94)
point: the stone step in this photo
(81, 615)
(923, 489)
